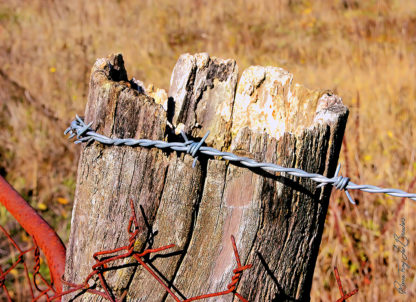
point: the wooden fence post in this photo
(277, 220)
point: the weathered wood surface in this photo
(277, 220)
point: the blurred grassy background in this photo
(363, 50)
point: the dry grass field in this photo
(365, 51)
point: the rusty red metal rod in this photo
(130, 252)
(45, 236)
(76, 287)
(97, 269)
(344, 296)
(9, 299)
(20, 259)
(234, 280)
(100, 265)
(36, 273)
(137, 257)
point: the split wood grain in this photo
(277, 220)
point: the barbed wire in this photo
(84, 133)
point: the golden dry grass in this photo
(364, 50)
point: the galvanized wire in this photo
(85, 133)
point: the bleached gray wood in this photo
(277, 220)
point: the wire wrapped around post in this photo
(84, 133)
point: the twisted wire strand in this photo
(84, 133)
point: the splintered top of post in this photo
(268, 101)
(207, 96)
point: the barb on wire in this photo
(84, 133)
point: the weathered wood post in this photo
(277, 220)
